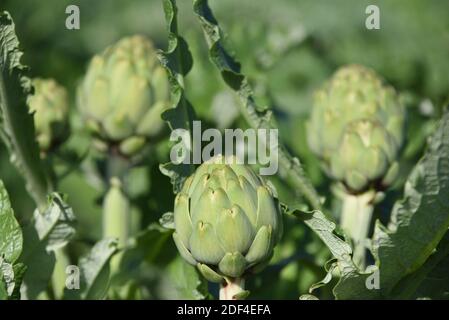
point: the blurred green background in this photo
(286, 47)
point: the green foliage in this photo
(413, 235)
(11, 244)
(89, 199)
(177, 60)
(17, 126)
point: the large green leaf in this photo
(431, 281)
(421, 219)
(16, 122)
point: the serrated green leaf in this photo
(421, 219)
(352, 280)
(16, 122)
(178, 61)
(324, 228)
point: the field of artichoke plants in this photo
(102, 196)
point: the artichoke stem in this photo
(231, 288)
(116, 166)
(356, 221)
(116, 218)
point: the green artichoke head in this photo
(227, 220)
(123, 94)
(357, 129)
(50, 106)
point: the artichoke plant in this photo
(123, 94)
(357, 129)
(227, 220)
(50, 106)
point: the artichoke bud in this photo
(123, 94)
(356, 128)
(50, 107)
(227, 219)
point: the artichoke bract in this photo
(50, 106)
(227, 220)
(123, 94)
(357, 129)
